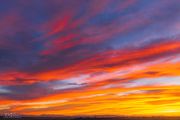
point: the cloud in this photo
(3, 90)
(161, 81)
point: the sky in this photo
(90, 57)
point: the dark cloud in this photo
(24, 92)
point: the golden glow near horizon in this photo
(144, 96)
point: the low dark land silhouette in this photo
(90, 118)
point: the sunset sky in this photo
(90, 57)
